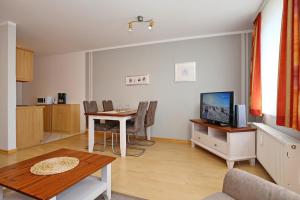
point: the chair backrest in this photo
(89, 107)
(140, 116)
(150, 116)
(107, 105)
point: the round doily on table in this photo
(54, 166)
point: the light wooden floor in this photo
(167, 170)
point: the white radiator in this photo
(280, 156)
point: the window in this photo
(270, 40)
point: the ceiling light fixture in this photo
(140, 19)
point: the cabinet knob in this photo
(294, 147)
(199, 138)
(216, 145)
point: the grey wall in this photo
(218, 69)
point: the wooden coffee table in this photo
(74, 184)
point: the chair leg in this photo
(113, 144)
(129, 147)
(128, 140)
(104, 142)
(145, 133)
(142, 150)
(145, 142)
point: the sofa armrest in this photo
(241, 185)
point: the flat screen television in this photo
(217, 107)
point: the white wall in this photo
(8, 86)
(58, 73)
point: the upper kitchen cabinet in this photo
(24, 65)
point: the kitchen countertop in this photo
(29, 106)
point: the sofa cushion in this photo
(244, 186)
(218, 196)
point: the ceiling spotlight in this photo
(140, 19)
(151, 24)
(129, 26)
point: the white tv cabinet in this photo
(231, 144)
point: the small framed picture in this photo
(185, 71)
(138, 80)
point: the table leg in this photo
(53, 198)
(1, 193)
(91, 134)
(123, 137)
(149, 133)
(106, 177)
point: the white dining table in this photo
(121, 116)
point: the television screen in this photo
(217, 107)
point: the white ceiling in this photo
(60, 26)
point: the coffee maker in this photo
(62, 98)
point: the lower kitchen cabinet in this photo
(30, 128)
(62, 118)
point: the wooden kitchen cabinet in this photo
(29, 126)
(66, 118)
(48, 118)
(24, 65)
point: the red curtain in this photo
(255, 79)
(288, 101)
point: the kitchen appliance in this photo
(62, 98)
(45, 100)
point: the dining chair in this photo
(133, 130)
(108, 106)
(149, 122)
(92, 107)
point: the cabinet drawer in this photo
(219, 145)
(200, 137)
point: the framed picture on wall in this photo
(185, 72)
(138, 80)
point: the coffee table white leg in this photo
(91, 134)
(149, 133)
(123, 137)
(1, 193)
(106, 177)
(53, 198)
